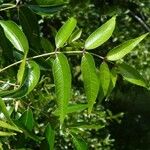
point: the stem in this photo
(13, 6)
(48, 54)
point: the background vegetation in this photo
(120, 122)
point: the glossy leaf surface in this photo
(64, 32)
(15, 35)
(31, 80)
(101, 35)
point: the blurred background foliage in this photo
(124, 116)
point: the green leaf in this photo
(75, 35)
(8, 126)
(73, 108)
(130, 74)
(15, 35)
(27, 119)
(90, 79)
(21, 71)
(64, 32)
(113, 79)
(4, 110)
(62, 80)
(46, 45)
(124, 48)
(104, 78)
(29, 23)
(101, 35)
(31, 80)
(6, 133)
(49, 2)
(79, 143)
(50, 136)
(45, 10)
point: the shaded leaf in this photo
(130, 74)
(124, 48)
(104, 78)
(50, 136)
(90, 79)
(113, 79)
(15, 35)
(101, 35)
(64, 32)
(31, 80)
(27, 119)
(29, 23)
(62, 80)
(45, 10)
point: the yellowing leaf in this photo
(64, 32)
(101, 35)
(62, 80)
(123, 49)
(90, 79)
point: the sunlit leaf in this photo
(62, 80)
(124, 48)
(75, 35)
(90, 79)
(8, 126)
(6, 133)
(101, 35)
(64, 32)
(130, 74)
(15, 35)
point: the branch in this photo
(48, 54)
